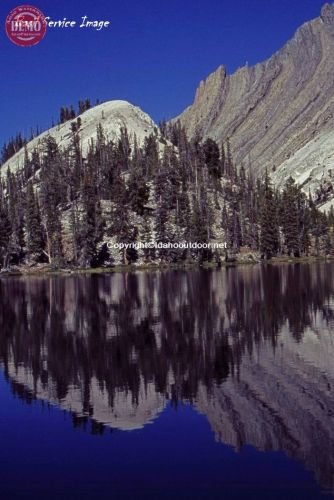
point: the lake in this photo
(200, 384)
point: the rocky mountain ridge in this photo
(112, 115)
(272, 110)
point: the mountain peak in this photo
(112, 115)
(213, 83)
(327, 13)
(271, 110)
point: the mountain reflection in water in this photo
(250, 348)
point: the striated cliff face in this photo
(271, 110)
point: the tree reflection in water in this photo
(250, 347)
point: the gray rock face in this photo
(271, 110)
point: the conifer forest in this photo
(62, 208)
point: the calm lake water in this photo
(204, 384)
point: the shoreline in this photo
(151, 267)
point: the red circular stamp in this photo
(26, 25)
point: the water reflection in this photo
(250, 348)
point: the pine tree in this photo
(222, 161)
(151, 155)
(35, 161)
(201, 226)
(16, 216)
(92, 222)
(75, 232)
(5, 231)
(138, 192)
(53, 193)
(229, 166)
(122, 227)
(212, 158)
(291, 217)
(33, 224)
(75, 168)
(161, 220)
(236, 231)
(224, 219)
(268, 227)
(183, 212)
(149, 253)
(124, 149)
(27, 166)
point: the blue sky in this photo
(154, 54)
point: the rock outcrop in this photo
(112, 115)
(273, 109)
